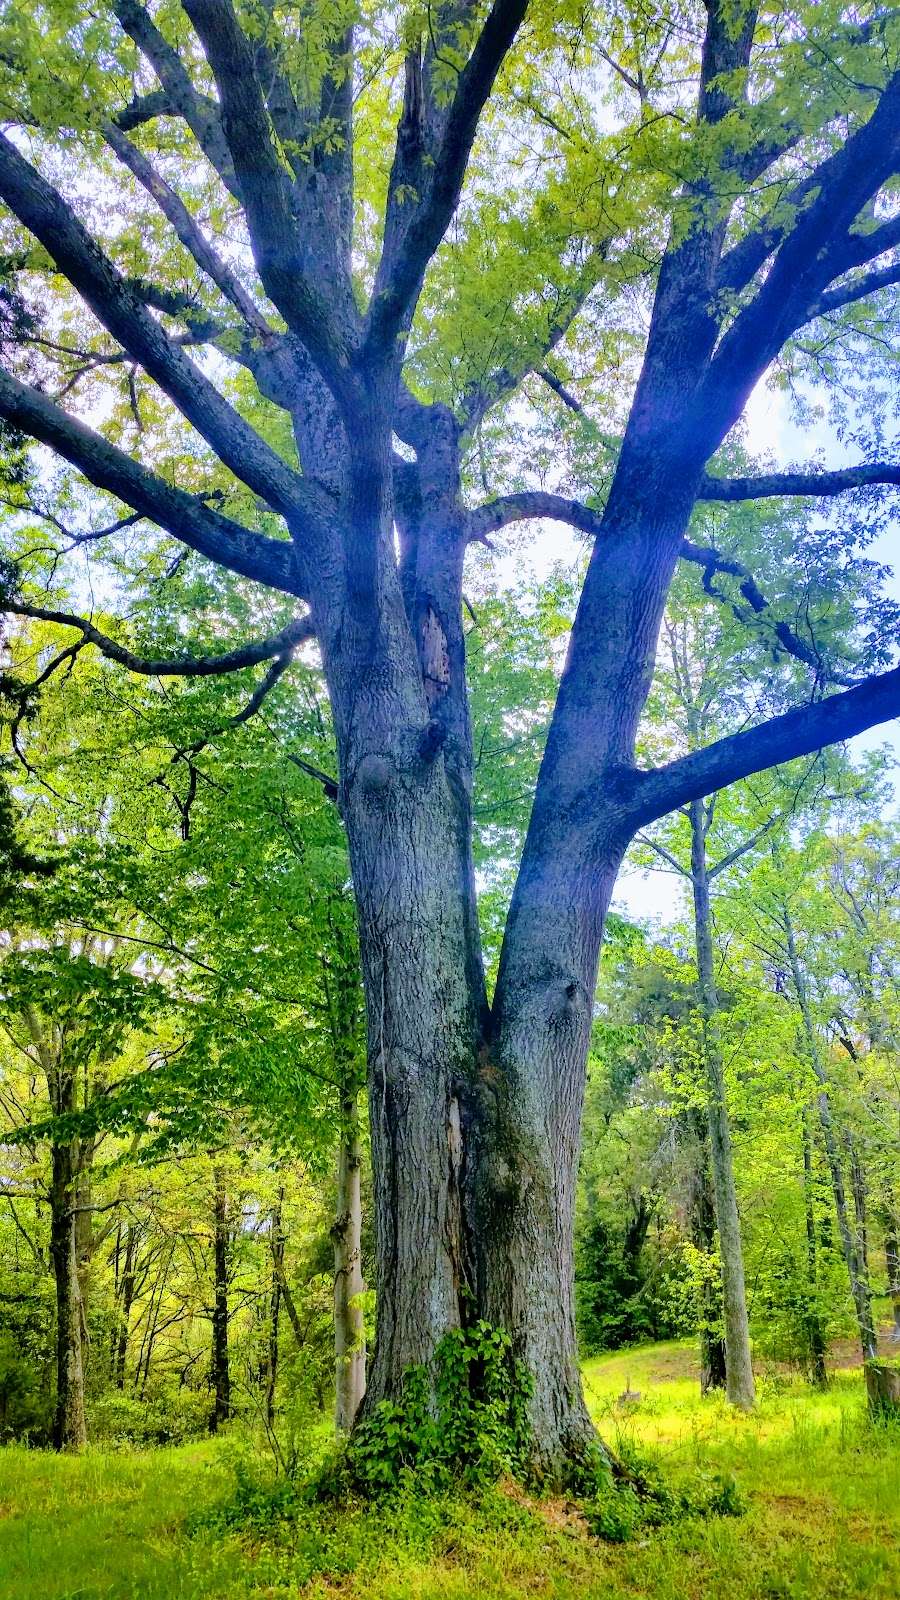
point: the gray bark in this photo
(739, 1384)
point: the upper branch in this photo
(191, 236)
(789, 641)
(772, 484)
(187, 666)
(319, 313)
(271, 561)
(79, 258)
(425, 184)
(181, 98)
(813, 253)
(649, 795)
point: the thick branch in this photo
(812, 255)
(649, 795)
(857, 289)
(525, 507)
(42, 209)
(183, 516)
(187, 666)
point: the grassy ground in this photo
(823, 1521)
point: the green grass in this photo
(823, 1521)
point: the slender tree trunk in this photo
(703, 1233)
(346, 1234)
(126, 1292)
(276, 1237)
(859, 1286)
(69, 1428)
(859, 1190)
(892, 1262)
(739, 1384)
(814, 1331)
(220, 1369)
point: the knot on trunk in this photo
(375, 774)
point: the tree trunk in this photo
(126, 1290)
(892, 1262)
(859, 1189)
(407, 810)
(220, 1370)
(346, 1234)
(739, 1384)
(69, 1429)
(814, 1331)
(276, 1238)
(703, 1235)
(859, 1286)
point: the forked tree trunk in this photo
(346, 1234)
(69, 1428)
(739, 1384)
(221, 1375)
(814, 1331)
(859, 1286)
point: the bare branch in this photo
(324, 325)
(790, 642)
(199, 112)
(176, 212)
(187, 666)
(183, 516)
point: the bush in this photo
(464, 1420)
(119, 1418)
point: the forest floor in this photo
(822, 1522)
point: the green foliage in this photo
(464, 1419)
(119, 1418)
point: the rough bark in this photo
(859, 1286)
(739, 1384)
(475, 1121)
(346, 1234)
(221, 1375)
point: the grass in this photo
(823, 1521)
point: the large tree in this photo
(732, 165)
